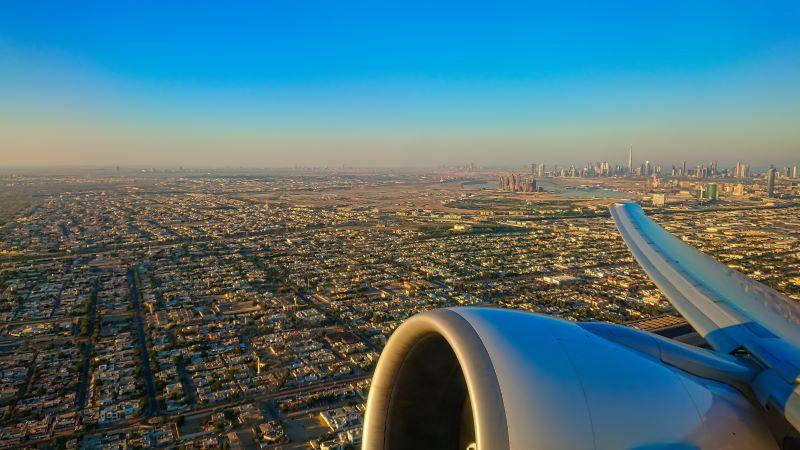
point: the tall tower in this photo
(771, 182)
(630, 159)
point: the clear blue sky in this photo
(276, 83)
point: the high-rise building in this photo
(742, 170)
(515, 182)
(794, 172)
(711, 191)
(630, 159)
(683, 170)
(701, 191)
(771, 182)
(707, 191)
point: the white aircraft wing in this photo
(732, 312)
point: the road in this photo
(87, 349)
(152, 402)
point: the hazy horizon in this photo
(343, 168)
(411, 85)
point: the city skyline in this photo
(383, 86)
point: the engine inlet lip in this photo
(488, 409)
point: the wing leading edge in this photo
(731, 311)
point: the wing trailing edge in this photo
(734, 313)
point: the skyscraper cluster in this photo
(742, 170)
(599, 169)
(647, 169)
(516, 183)
(592, 169)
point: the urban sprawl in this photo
(186, 308)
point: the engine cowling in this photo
(496, 379)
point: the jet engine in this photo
(497, 379)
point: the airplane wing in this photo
(732, 312)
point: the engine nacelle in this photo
(495, 379)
